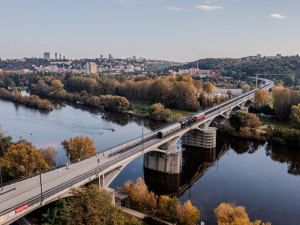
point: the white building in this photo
(91, 68)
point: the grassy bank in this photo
(274, 122)
(143, 109)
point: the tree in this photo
(22, 160)
(245, 88)
(229, 93)
(261, 97)
(187, 213)
(79, 147)
(281, 98)
(89, 205)
(210, 89)
(140, 194)
(203, 99)
(295, 116)
(49, 155)
(5, 142)
(231, 215)
(179, 116)
(244, 119)
(56, 215)
(158, 112)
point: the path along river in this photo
(263, 178)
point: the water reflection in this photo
(195, 162)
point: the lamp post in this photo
(41, 185)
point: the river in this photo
(263, 178)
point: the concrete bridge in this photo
(20, 198)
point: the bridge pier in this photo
(162, 162)
(201, 138)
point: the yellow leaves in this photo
(187, 213)
(139, 194)
(22, 160)
(261, 97)
(79, 147)
(295, 116)
(228, 214)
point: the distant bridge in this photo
(23, 197)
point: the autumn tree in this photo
(158, 112)
(49, 155)
(281, 98)
(187, 213)
(244, 119)
(210, 89)
(261, 97)
(57, 89)
(179, 116)
(203, 99)
(22, 160)
(184, 96)
(234, 215)
(139, 194)
(245, 88)
(79, 147)
(295, 116)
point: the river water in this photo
(263, 178)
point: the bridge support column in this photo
(201, 138)
(165, 163)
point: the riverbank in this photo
(283, 137)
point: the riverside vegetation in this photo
(114, 93)
(286, 108)
(91, 205)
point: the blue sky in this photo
(179, 30)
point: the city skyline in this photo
(157, 29)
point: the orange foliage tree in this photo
(140, 194)
(22, 160)
(234, 215)
(79, 147)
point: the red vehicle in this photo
(199, 117)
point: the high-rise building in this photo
(91, 68)
(46, 55)
(110, 56)
(55, 55)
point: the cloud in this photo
(209, 7)
(277, 16)
(173, 8)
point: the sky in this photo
(177, 30)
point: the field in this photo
(143, 109)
